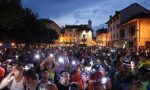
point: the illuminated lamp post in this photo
(13, 44)
(1, 44)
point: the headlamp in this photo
(73, 62)
(37, 56)
(51, 55)
(61, 60)
(104, 80)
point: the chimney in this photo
(110, 16)
(116, 12)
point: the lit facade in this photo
(136, 32)
(119, 33)
(101, 37)
(77, 34)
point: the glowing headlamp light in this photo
(93, 70)
(51, 55)
(73, 62)
(113, 50)
(37, 56)
(137, 53)
(61, 60)
(108, 54)
(26, 68)
(16, 56)
(104, 80)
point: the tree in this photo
(22, 25)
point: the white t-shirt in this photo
(17, 85)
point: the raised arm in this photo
(42, 63)
(7, 80)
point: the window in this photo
(114, 36)
(117, 35)
(117, 17)
(132, 30)
(117, 26)
(113, 27)
(122, 33)
(114, 20)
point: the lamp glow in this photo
(104, 80)
(61, 60)
(73, 62)
(51, 55)
(37, 56)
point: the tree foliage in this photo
(22, 25)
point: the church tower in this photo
(90, 23)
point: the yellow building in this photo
(136, 31)
(120, 33)
(101, 37)
(77, 34)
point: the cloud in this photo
(79, 11)
(95, 11)
(60, 1)
(76, 22)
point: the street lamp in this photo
(12, 44)
(1, 44)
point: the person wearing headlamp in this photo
(64, 81)
(105, 79)
(48, 65)
(44, 83)
(95, 78)
(76, 77)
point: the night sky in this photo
(79, 11)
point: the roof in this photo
(78, 27)
(139, 15)
(100, 31)
(118, 12)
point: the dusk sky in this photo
(79, 11)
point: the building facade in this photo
(136, 31)
(119, 32)
(77, 34)
(101, 37)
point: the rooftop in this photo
(139, 15)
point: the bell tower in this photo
(90, 23)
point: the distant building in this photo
(77, 34)
(119, 32)
(101, 37)
(52, 25)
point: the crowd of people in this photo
(74, 68)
